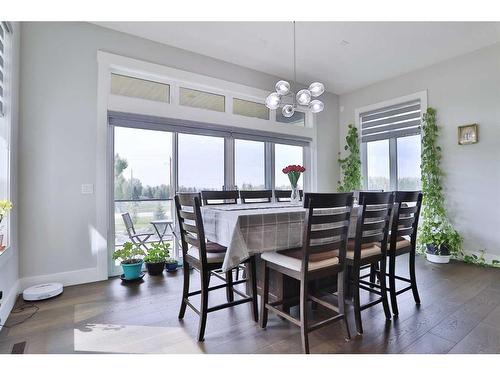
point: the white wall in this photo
(463, 90)
(9, 267)
(58, 136)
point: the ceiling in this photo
(343, 55)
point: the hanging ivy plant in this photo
(436, 234)
(351, 165)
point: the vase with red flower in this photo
(294, 172)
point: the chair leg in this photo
(341, 281)
(229, 287)
(413, 278)
(253, 283)
(392, 284)
(265, 297)
(383, 288)
(356, 299)
(372, 273)
(185, 289)
(203, 305)
(303, 317)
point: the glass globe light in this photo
(288, 110)
(282, 87)
(316, 88)
(303, 97)
(273, 100)
(316, 106)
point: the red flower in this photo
(293, 168)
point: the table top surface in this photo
(162, 221)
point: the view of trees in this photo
(404, 183)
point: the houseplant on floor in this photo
(156, 257)
(171, 265)
(130, 256)
(436, 235)
(351, 165)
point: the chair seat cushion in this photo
(293, 263)
(317, 257)
(214, 247)
(367, 249)
(211, 257)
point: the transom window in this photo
(391, 147)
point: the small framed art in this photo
(468, 134)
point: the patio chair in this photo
(139, 239)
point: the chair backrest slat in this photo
(326, 225)
(285, 195)
(190, 222)
(210, 197)
(256, 196)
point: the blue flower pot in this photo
(132, 271)
(171, 267)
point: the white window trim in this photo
(6, 119)
(111, 63)
(420, 95)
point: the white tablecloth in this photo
(255, 228)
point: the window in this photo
(298, 118)
(5, 129)
(201, 162)
(285, 155)
(391, 147)
(139, 88)
(202, 99)
(250, 109)
(250, 168)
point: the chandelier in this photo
(290, 100)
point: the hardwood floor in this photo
(460, 313)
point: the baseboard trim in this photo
(83, 276)
(8, 303)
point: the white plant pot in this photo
(438, 258)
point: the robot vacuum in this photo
(42, 291)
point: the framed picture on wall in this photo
(468, 134)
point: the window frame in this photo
(393, 151)
(6, 122)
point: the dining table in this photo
(253, 228)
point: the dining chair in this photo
(211, 197)
(139, 239)
(284, 195)
(322, 254)
(368, 250)
(403, 240)
(256, 196)
(207, 258)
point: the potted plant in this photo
(5, 207)
(156, 257)
(171, 265)
(351, 165)
(293, 172)
(436, 235)
(130, 256)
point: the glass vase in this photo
(295, 196)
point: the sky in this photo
(201, 159)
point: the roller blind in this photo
(399, 120)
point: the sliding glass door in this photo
(142, 181)
(151, 165)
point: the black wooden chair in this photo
(323, 254)
(403, 240)
(207, 258)
(210, 197)
(284, 195)
(256, 196)
(369, 249)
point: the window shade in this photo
(390, 122)
(3, 37)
